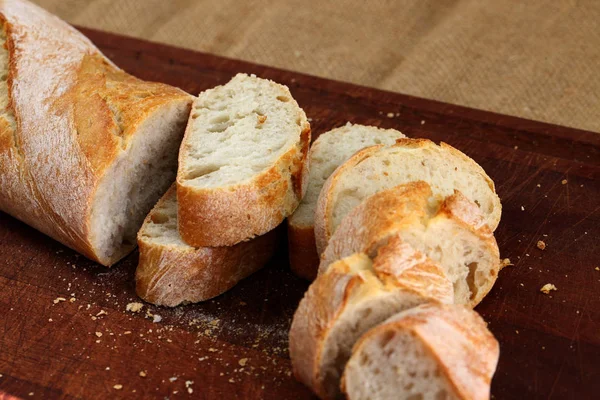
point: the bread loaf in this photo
(379, 167)
(430, 352)
(451, 231)
(85, 148)
(243, 162)
(170, 272)
(330, 150)
(353, 295)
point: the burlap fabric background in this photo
(534, 59)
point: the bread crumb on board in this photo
(597, 268)
(58, 300)
(243, 362)
(118, 387)
(134, 307)
(505, 263)
(143, 374)
(564, 181)
(547, 288)
(541, 245)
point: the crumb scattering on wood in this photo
(118, 387)
(547, 288)
(564, 181)
(243, 362)
(390, 115)
(143, 374)
(156, 318)
(522, 208)
(134, 307)
(58, 300)
(99, 334)
(541, 245)
(505, 263)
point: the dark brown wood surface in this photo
(235, 347)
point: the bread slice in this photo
(170, 272)
(379, 167)
(243, 162)
(355, 294)
(86, 150)
(450, 231)
(328, 152)
(430, 352)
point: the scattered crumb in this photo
(422, 122)
(541, 245)
(102, 312)
(31, 393)
(547, 288)
(134, 307)
(118, 387)
(516, 147)
(517, 331)
(58, 300)
(156, 318)
(173, 379)
(72, 300)
(243, 362)
(187, 385)
(99, 334)
(127, 333)
(597, 268)
(505, 263)
(212, 350)
(108, 368)
(231, 380)
(143, 374)
(49, 319)
(522, 208)
(564, 181)
(390, 115)
(538, 185)
(243, 303)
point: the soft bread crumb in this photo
(547, 288)
(541, 245)
(118, 387)
(505, 263)
(564, 181)
(58, 300)
(243, 362)
(134, 307)
(143, 374)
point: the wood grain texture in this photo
(550, 344)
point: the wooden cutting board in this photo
(235, 347)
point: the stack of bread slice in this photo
(242, 171)
(404, 234)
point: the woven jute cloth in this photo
(534, 59)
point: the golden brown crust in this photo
(170, 275)
(396, 267)
(372, 221)
(224, 217)
(303, 257)
(49, 174)
(456, 337)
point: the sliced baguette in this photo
(170, 272)
(86, 149)
(355, 294)
(327, 153)
(451, 231)
(378, 167)
(243, 162)
(430, 352)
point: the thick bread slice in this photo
(327, 153)
(450, 231)
(430, 352)
(243, 162)
(355, 294)
(170, 272)
(379, 167)
(85, 149)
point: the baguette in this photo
(170, 272)
(355, 294)
(451, 231)
(378, 167)
(327, 153)
(243, 162)
(85, 148)
(430, 352)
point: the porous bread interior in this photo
(328, 152)
(136, 180)
(466, 258)
(357, 318)
(5, 112)
(237, 131)
(161, 227)
(389, 167)
(393, 364)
